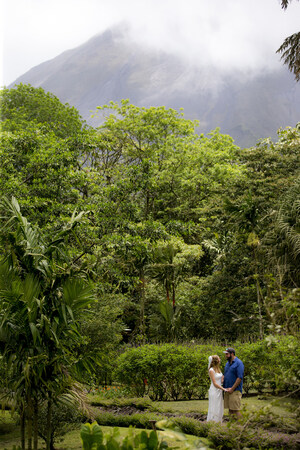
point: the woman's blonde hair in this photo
(215, 362)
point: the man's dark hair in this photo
(230, 350)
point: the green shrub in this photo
(237, 436)
(285, 362)
(192, 426)
(170, 371)
(141, 403)
(272, 363)
(64, 419)
(251, 431)
(257, 363)
(164, 372)
(138, 420)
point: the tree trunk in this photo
(147, 205)
(52, 442)
(258, 294)
(22, 421)
(168, 293)
(29, 423)
(261, 331)
(173, 295)
(35, 424)
(142, 315)
(49, 429)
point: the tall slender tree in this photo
(41, 297)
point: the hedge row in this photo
(170, 371)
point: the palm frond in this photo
(76, 397)
(290, 54)
(77, 294)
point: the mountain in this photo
(110, 66)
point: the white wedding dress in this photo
(215, 400)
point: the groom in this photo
(233, 382)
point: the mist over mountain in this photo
(111, 66)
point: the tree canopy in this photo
(180, 231)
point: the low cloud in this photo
(228, 34)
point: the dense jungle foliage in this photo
(184, 236)
(141, 231)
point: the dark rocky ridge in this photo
(112, 67)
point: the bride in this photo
(215, 394)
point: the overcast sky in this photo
(229, 33)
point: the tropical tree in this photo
(125, 258)
(171, 261)
(43, 149)
(270, 170)
(133, 153)
(283, 241)
(282, 245)
(24, 104)
(42, 296)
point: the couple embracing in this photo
(231, 383)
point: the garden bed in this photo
(267, 422)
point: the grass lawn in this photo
(278, 405)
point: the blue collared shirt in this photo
(232, 372)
